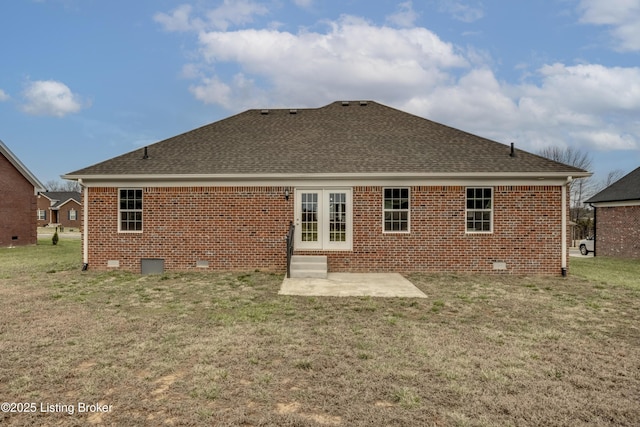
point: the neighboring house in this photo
(617, 218)
(18, 189)
(369, 187)
(59, 208)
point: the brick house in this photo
(617, 218)
(18, 189)
(59, 208)
(367, 187)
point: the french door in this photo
(323, 219)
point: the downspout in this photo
(564, 227)
(595, 229)
(85, 225)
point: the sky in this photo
(82, 81)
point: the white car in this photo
(586, 245)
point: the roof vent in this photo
(345, 103)
(264, 112)
(363, 103)
(293, 111)
(513, 150)
(146, 154)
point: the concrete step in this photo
(309, 266)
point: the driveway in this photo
(575, 252)
(353, 284)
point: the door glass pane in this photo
(309, 222)
(337, 217)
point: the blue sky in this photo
(82, 81)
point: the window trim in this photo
(75, 214)
(408, 210)
(42, 217)
(466, 211)
(120, 230)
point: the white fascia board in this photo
(616, 204)
(70, 199)
(501, 178)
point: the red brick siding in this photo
(63, 215)
(618, 231)
(244, 228)
(233, 228)
(526, 233)
(43, 204)
(17, 207)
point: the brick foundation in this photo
(242, 228)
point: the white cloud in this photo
(461, 11)
(622, 16)
(50, 98)
(3, 96)
(586, 105)
(405, 17)
(350, 58)
(303, 3)
(230, 12)
(179, 19)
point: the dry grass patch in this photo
(225, 349)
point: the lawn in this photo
(224, 349)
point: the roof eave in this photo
(566, 175)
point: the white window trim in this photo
(75, 214)
(408, 230)
(466, 211)
(42, 217)
(120, 230)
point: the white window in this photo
(73, 215)
(42, 214)
(479, 210)
(130, 209)
(396, 210)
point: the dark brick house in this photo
(617, 218)
(18, 190)
(367, 187)
(59, 208)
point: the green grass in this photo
(608, 271)
(226, 349)
(41, 257)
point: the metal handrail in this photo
(290, 234)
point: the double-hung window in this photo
(73, 215)
(42, 214)
(396, 210)
(130, 209)
(479, 210)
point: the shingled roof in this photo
(625, 189)
(361, 137)
(59, 198)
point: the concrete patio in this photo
(389, 285)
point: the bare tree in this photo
(53, 185)
(612, 177)
(580, 188)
